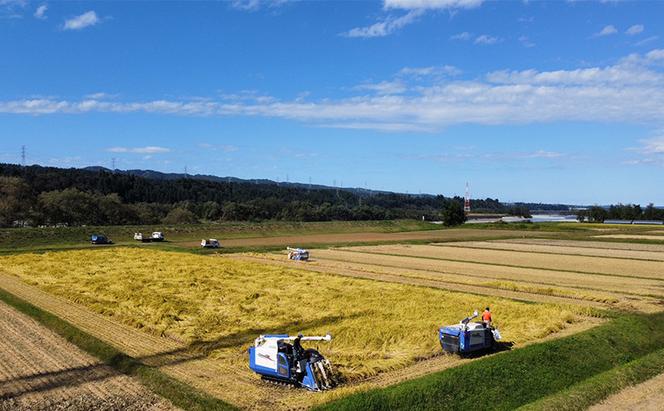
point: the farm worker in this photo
(486, 317)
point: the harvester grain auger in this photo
(280, 358)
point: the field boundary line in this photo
(179, 393)
(504, 265)
(580, 241)
(473, 247)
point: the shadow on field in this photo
(198, 350)
(499, 346)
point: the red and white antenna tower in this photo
(466, 200)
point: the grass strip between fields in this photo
(584, 362)
(597, 388)
(180, 394)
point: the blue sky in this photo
(527, 100)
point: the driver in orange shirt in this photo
(486, 318)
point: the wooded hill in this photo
(36, 195)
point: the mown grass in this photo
(224, 304)
(181, 395)
(601, 386)
(584, 363)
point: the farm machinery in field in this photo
(467, 336)
(100, 239)
(280, 358)
(297, 254)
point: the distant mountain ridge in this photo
(158, 175)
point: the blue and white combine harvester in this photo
(280, 358)
(467, 337)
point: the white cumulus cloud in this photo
(87, 19)
(487, 40)
(431, 4)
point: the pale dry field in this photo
(582, 264)
(39, 370)
(562, 250)
(483, 271)
(605, 245)
(632, 236)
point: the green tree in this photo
(453, 214)
(14, 201)
(597, 214)
(180, 215)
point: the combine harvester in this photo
(468, 337)
(280, 359)
(297, 254)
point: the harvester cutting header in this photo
(280, 358)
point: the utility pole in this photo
(23, 155)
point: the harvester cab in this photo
(298, 254)
(468, 336)
(157, 236)
(281, 359)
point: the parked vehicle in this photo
(210, 243)
(100, 239)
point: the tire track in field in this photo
(39, 370)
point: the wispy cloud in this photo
(40, 13)
(139, 150)
(253, 5)
(645, 41)
(635, 29)
(413, 8)
(385, 27)
(464, 36)
(485, 39)
(630, 90)
(606, 31)
(651, 151)
(87, 19)
(526, 42)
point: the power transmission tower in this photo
(23, 155)
(113, 164)
(185, 172)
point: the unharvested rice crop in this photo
(223, 304)
(587, 244)
(493, 272)
(562, 250)
(651, 269)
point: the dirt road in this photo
(345, 238)
(647, 396)
(39, 370)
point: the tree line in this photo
(35, 195)
(597, 214)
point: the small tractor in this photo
(100, 239)
(210, 243)
(467, 337)
(298, 254)
(280, 359)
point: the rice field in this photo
(377, 326)
(632, 236)
(604, 245)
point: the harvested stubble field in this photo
(603, 245)
(39, 370)
(487, 272)
(563, 250)
(632, 236)
(572, 263)
(216, 306)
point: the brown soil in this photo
(647, 396)
(432, 235)
(39, 370)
